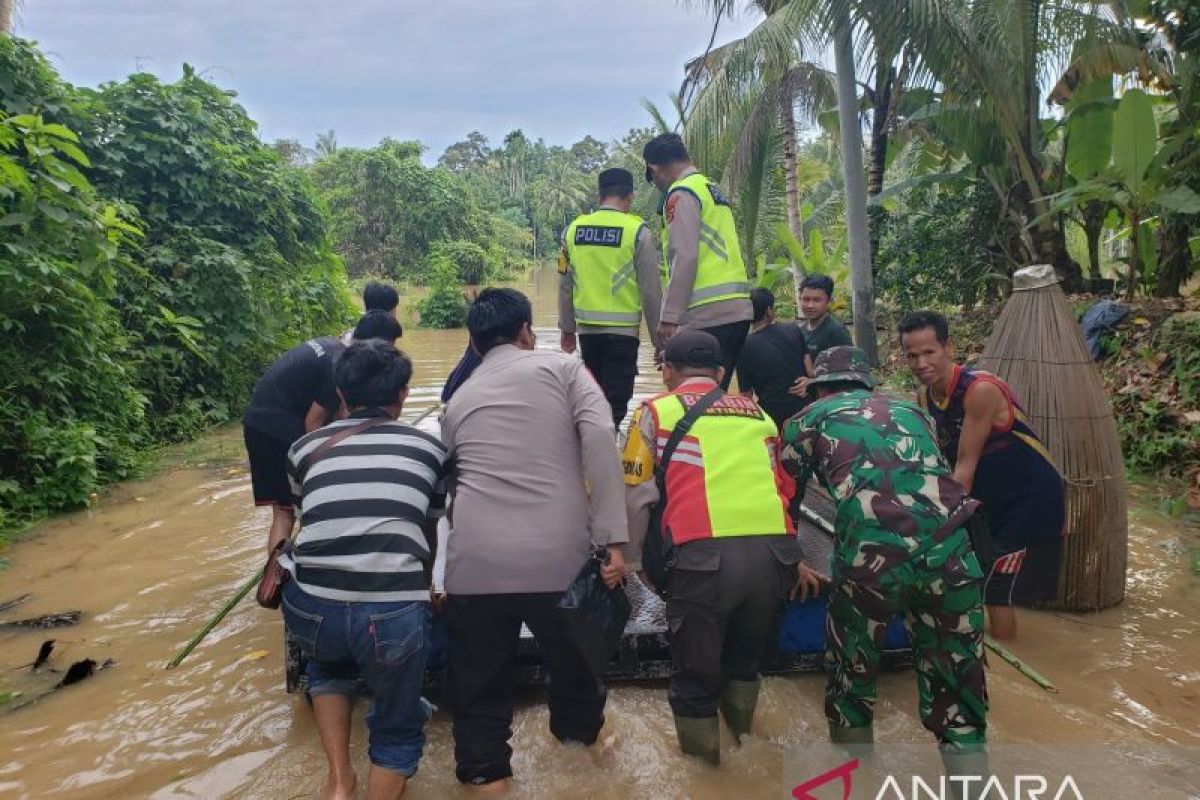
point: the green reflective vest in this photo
(720, 272)
(601, 248)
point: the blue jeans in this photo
(381, 643)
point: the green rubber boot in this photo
(858, 742)
(969, 763)
(700, 737)
(738, 701)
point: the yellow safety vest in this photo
(723, 479)
(601, 248)
(720, 272)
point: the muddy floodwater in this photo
(155, 558)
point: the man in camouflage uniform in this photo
(900, 547)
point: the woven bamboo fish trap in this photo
(1037, 347)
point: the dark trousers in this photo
(722, 608)
(612, 360)
(484, 633)
(732, 336)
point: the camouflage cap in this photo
(842, 364)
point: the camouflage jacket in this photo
(879, 459)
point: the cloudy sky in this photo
(431, 70)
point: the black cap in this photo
(666, 148)
(693, 349)
(616, 181)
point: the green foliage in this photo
(1155, 382)
(472, 264)
(389, 209)
(155, 256)
(444, 306)
(936, 249)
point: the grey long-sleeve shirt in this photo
(645, 257)
(535, 476)
(683, 226)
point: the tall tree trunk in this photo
(1174, 256)
(787, 117)
(861, 279)
(6, 17)
(885, 75)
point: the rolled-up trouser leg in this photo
(576, 695)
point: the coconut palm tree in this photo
(326, 144)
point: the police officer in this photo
(737, 557)
(900, 547)
(609, 272)
(707, 287)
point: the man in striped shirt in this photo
(358, 604)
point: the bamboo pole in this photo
(216, 620)
(1018, 664)
(245, 588)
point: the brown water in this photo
(155, 558)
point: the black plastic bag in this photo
(595, 615)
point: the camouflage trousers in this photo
(940, 593)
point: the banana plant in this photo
(1133, 181)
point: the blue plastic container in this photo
(802, 628)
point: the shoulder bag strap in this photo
(681, 428)
(323, 449)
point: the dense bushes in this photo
(155, 255)
(390, 211)
(444, 306)
(937, 248)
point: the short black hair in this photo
(763, 301)
(372, 374)
(379, 296)
(822, 282)
(378, 325)
(920, 320)
(615, 182)
(666, 148)
(496, 317)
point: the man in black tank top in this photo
(997, 457)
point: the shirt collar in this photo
(696, 382)
(368, 413)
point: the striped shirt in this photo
(362, 508)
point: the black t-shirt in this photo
(298, 378)
(830, 333)
(770, 363)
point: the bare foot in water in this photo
(335, 790)
(604, 750)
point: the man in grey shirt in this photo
(536, 481)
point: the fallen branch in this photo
(16, 601)
(62, 619)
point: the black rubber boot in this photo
(738, 701)
(700, 737)
(968, 762)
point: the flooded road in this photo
(156, 558)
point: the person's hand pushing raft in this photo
(808, 583)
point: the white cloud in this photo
(372, 68)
